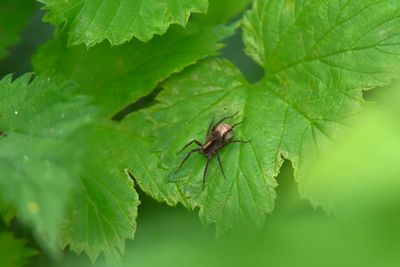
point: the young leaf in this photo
(39, 152)
(118, 76)
(13, 252)
(91, 22)
(312, 88)
(14, 15)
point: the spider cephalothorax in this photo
(218, 135)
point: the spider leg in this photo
(187, 156)
(205, 172)
(220, 165)
(227, 117)
(236, 124)
(240, 141)
(188, 144)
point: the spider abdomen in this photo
(217, 138)
(223, 131)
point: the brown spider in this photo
(218, 135)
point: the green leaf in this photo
(40, 149)
(91, 22)
(104, 209)
(328, 52)
(103, 213)
(120, 75)
(311, 91)
(14, 15)
(313, 41)
(215, 89)
(13, 252)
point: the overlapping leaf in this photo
(318, 57)
(39, 152)
(14, 15)
(120, 75)
(92, 21)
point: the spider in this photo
(218, 135)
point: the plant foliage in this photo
(311, 89)
(91, 22)
(76, 143)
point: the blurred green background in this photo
(360, 178)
